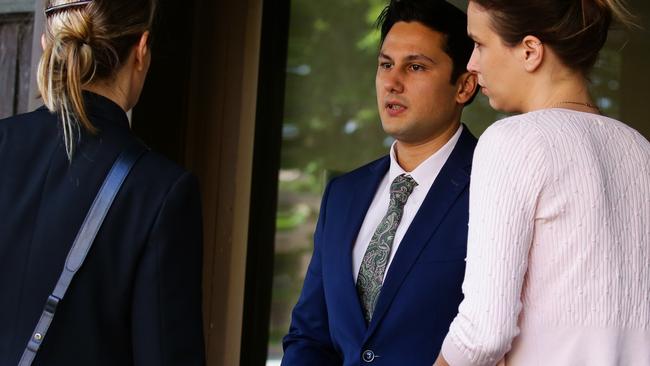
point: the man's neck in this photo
(411, 154)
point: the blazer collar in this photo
(104, 111)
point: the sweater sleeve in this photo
(508, 174)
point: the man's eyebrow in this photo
(383, 55)
(418, 56)
(413, 57)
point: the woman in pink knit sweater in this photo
(558, 263)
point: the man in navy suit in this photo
(384, 282)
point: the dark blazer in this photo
(137, 298)
(422, 289)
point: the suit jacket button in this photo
(368, 356)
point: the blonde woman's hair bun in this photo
(86, 42)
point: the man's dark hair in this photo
(439, 16)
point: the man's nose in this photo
(394, 81)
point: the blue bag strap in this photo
(81, 245)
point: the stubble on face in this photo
(416, 100)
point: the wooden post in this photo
(219, 144)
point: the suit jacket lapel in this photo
(360, 198)
(451, 181)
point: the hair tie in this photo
(56, 8)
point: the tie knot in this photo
(401, 188)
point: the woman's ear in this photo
(467, 84)
(142, 52)
(533, 50)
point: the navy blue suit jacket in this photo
(422, 289)
(137, 298)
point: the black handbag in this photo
(81, 246)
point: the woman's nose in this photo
(472, 64)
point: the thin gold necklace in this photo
(588, 105)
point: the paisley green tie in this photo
(373, 265)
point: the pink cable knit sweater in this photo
(558, 262)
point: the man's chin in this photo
(399, 135)
(394, 126)
(394, 132)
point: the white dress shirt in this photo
(424, 175)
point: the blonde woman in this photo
(137, 298)
(558, 263)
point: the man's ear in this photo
(533, 53)
(141, 52)
(467, 84)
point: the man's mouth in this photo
(395, 107)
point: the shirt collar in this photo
(425, 173)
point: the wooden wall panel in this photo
(16, 33)
(17, 6)
(23, 71)
(8, 61)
